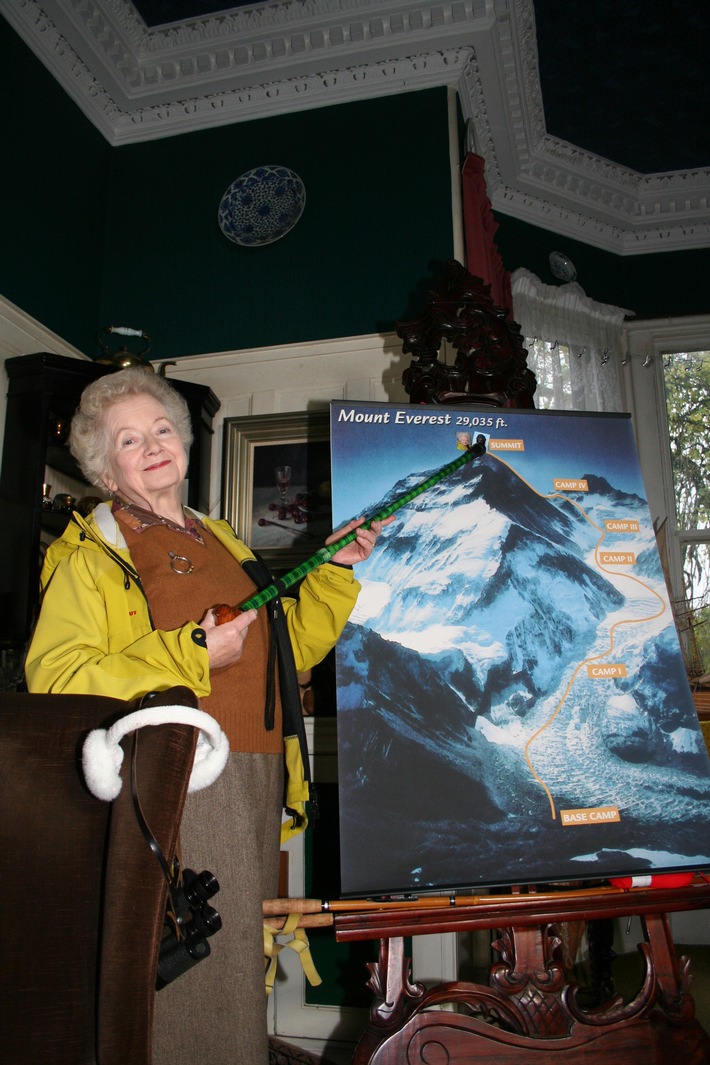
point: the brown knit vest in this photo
(238, 696)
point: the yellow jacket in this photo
(95, 635)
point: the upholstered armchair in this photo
(83, 895)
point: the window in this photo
(668, 386)
(686, 377)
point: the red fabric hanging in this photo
(482, 256)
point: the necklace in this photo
(180, 564)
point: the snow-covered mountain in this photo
(468, 717)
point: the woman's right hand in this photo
(225, 642)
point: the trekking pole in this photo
(224, 613)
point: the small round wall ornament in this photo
(562, 267)
(262, 205)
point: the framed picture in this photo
(276, 487)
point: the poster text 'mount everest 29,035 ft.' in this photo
(512, 701)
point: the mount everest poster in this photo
(512, 704)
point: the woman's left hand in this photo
(362, 546)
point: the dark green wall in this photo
(95, 235)
(53, 187)
(372, 224)
(651, 286)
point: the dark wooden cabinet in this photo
(43, 393)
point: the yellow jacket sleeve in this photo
(94, 635)
(319, 615)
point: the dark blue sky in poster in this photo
(512, 701)
(371, 456)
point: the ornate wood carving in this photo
(529, 1011)
(390, 982)
(491, 362)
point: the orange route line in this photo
(616, 625)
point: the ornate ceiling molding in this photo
(141, 68)
(138, 84)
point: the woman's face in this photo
(147, 461)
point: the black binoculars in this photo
(184, 946)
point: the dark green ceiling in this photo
(628, 79)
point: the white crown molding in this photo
(233, 52)
(136, 84)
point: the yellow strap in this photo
(298, 943)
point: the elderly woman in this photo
(126, 609)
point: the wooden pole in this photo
(419, 902)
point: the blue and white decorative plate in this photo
(562, 267)
(262, 205)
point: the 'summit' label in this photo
(506, 445)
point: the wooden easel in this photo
(529, 1011)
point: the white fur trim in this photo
(102, 754)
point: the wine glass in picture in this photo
(283, 480)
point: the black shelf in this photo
(54, 521)
(60, 458)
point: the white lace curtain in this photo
(575, 345)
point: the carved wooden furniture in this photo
(490, 367)
(529, 1012)
(83, 894)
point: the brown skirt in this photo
(215, 1013)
